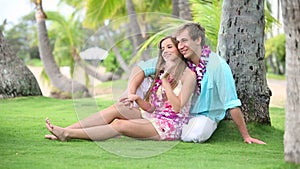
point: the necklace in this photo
(200, 69)
(159, 102)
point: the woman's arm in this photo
(172, 98)
(188, 85)
(136, 78)
(142, 103)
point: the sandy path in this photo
(278, 87)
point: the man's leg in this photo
(199, 129)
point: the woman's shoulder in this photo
(188, 74)
(188, 71)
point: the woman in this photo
(159, 117)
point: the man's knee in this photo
(196, 137)
(199, 129)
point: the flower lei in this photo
(156, 101)
(200, 69)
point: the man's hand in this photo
(251, 140)
(128, 101)
(238, 118)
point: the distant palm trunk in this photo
(60, 81)
(135, 28)
(119, 58)
(175, 8)
(241, 43)
(291, 15)
(184, 9)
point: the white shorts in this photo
(198, 130)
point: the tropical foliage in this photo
(68, 35)
(208, 13)
(22, 38)
(275, 53)
(71, 32)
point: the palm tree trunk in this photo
(135, 28)
(291, 15)
(119, 58)
(60, 81)
(175, 8)
(274, 70)
(184, 10)
(241, 43)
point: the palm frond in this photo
(270, 21)
(208, 14)
(168, 25)
(98, 12)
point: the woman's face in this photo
(169, 50)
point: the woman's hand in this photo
(128, 101)
(133, 97)
(169, 66)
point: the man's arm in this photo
(136, 78)
(139, 72)
(238, 118)
(137, 75)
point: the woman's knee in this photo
(119, 125)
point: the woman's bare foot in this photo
(58, 132)
(50, 137)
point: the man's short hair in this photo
(195, 31)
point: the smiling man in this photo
(215, 94)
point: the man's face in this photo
(187, 46)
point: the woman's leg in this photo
(106, 116)
(93, 133)
(137, 128)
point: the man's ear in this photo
(198, 40)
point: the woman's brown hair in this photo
(160, 66)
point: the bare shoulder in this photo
(188, 74)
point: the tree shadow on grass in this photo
(227, 131)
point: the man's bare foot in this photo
(50, 137)
(58, 132)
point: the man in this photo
(216, 93)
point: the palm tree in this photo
(57, 78)
(184, 9)
(15, 78)
(208, 13)
(69, 39)
(115, 9)
(134, 27)
(175, 8)
(241, 43)
(290, 13)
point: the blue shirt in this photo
(218, 92)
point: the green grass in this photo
(22, 144)
(34, 62)
(275, 76)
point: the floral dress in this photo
(168, 123)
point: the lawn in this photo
(22, 143)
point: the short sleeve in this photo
(148, 66)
